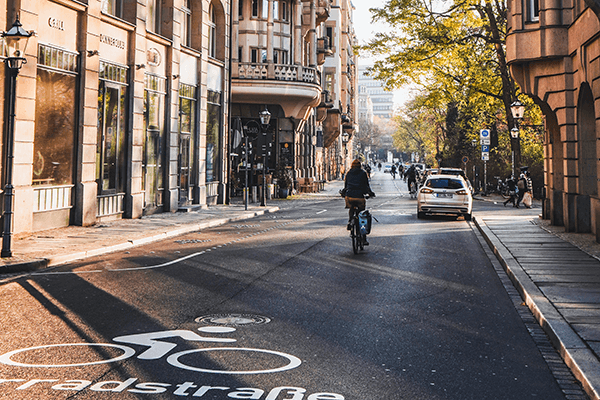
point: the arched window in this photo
(212, 32)
(216, 31)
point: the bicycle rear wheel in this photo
(356, 238)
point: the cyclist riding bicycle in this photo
(411, 175)
(356, 186)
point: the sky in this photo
(365, 29)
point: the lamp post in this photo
(517, 110)
(265, 118)
(15, 43)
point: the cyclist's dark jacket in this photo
(357, 183)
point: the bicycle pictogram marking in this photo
(157, 348)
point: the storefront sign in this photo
(56, 23)
(111, 41)
(113, 44)
(58, 26)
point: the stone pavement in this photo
(556, 273)
(558, 280)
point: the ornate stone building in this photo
(120, 109)
(553, 49)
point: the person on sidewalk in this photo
(522, 186)
(512, 192)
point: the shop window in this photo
(111, 162)
(213, 133)
(187, 141)
(153, 151)
(55, 117)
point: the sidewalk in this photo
(48, 248)
(558, 280)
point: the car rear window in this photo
(445, 183)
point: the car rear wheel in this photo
(420, 215)
(468, 217)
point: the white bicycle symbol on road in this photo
(157, 349)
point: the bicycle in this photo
(412, 188)
(359, 239)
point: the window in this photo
(240, 52)
(212, 32)
(254, 56)
(113, 7)
(213, 129)
(533, 10)
(240, 9)
(275, 9)
(54, 136)
(444, 183)
(111, 151)
(329, 82)
(284, 11)
(265, 9)
(254, 8)
(187, 142)
(280, 56)
(263, 56)
(186, 26)
(153, 20)
(153, 151)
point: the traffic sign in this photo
(465, 159)
(484, 133)
(485, 156)
(486, 141)
(485, 148)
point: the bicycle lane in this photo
(50, 350)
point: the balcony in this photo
(323, 50)
(295, 87)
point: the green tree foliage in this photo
(454, 51)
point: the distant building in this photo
(383, 100)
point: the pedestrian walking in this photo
(522, 186)
(512, 192)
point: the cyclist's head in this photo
(356, 164)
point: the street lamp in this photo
(15, 43)
(517, 110)
(265, 118)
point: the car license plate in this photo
(445, 195)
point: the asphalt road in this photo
(277, 308)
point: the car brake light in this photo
(462, 191)
(426, 190)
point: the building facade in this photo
(383, 100)
(121, 109)
(281, 66)
(341, 90)
(553, 49)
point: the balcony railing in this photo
(279, 72)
